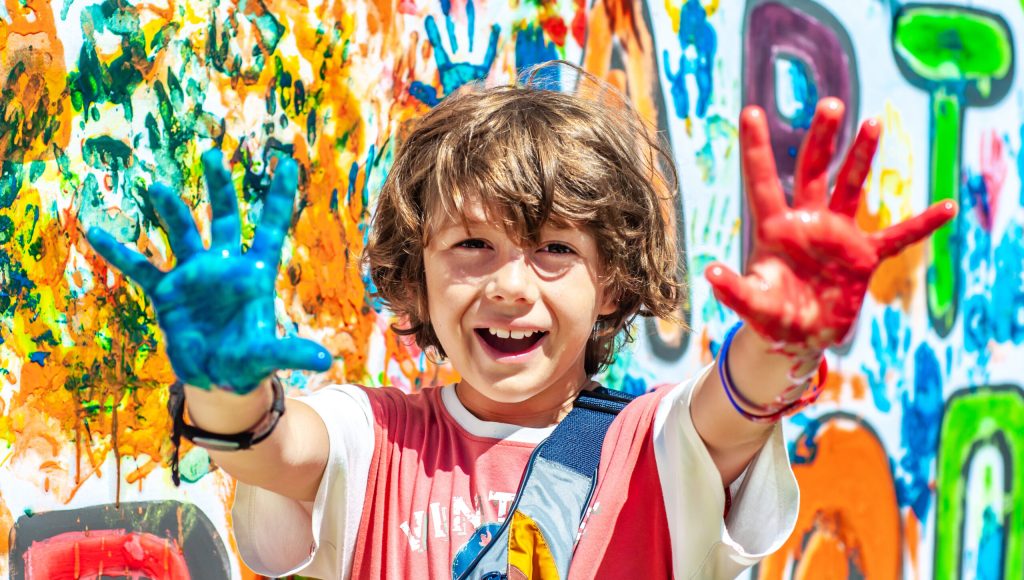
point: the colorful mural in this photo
(908, 464)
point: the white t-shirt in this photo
(413, 481)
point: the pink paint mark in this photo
(98, 553)
(407, 7)
(994, 166)
(457, 10)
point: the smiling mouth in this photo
(510, 346)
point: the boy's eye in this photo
(557, 248)
(472, 244)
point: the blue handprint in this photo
(993, 283)
(695, 31)
(919, 432)
(890, 342)
(216, 306)
(532, 48)
(453, 74)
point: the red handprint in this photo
(811, 263)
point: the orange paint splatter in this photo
(37, 109)
(90, 361)
(840, 387)
(912, 533)
(848, 510)
(616, 25)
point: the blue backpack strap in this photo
(541, 528)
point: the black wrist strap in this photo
(218, 441)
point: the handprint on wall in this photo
(453, 74)
(713, 237)
(35, 110)
(890, 344)
(699, 43)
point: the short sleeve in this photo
(765, 503)
(279, 536)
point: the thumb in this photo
(729, 288)
(301, 354)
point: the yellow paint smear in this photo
(898, 277)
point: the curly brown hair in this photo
(529, 154)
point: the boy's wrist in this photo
(773, 370)
(225, 412)
(215, 441)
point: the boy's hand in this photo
(216, 306)
(811, 263)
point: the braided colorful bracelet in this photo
(771, 414)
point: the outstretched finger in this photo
(760, 177)
(178, 223)
(855, 168)
(131, 263)
(810, 184)
(893, 239)
(226, 229)
(301, 354)
(277, 212)
(730, 288)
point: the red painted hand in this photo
(809, 270)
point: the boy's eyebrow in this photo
(463, 226)
(463, 221)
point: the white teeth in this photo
(516, 334)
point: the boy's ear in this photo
(609, 302)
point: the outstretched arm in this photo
(805, 283)
(290, 462)
(216, 311)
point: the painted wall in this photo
(908, 465)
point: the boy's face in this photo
(514, 321)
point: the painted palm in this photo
(216, 306)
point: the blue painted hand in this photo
(216, 306)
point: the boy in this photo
(518, 233)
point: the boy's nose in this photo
(513, 281)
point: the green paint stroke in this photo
(974, 417)
(945, 179)
(95, 82)
(951, 51)
(950, 44)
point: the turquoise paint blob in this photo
(990, 548)
(194, 465)
(796, 94)
(216, 306)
